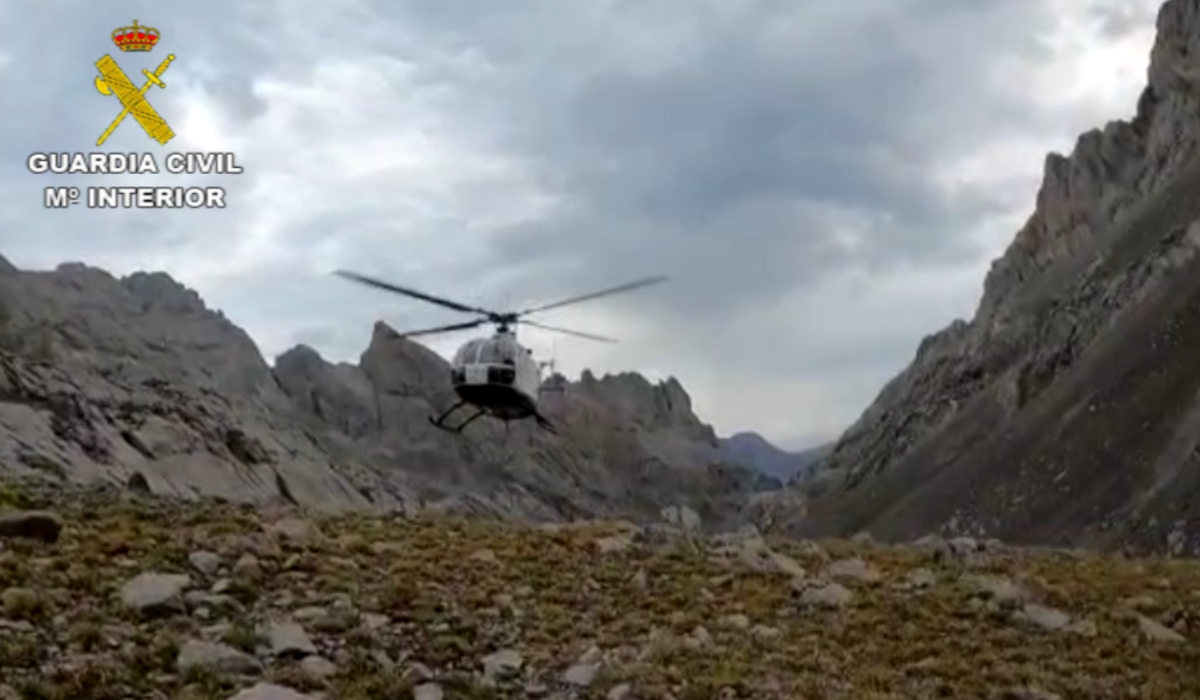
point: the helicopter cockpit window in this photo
(468, 354)
(497, 353)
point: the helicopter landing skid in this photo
(440, 421)
(543, 423)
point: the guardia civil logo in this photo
(113, 81)
(134, 41)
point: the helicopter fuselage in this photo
(497, 375)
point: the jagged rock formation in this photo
(1068, 408)
(624, 444)
(134, 380)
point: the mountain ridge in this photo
(135, 381)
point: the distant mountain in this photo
(814, 459)
(753, 450)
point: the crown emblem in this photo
(135, 38)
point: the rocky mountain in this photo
(754, 450)
(1068, 408)
(135, 381)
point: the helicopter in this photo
(496, 375)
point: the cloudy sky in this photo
(825, 181)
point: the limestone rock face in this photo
(340, 396)
(135, 381)
(655, 407)
(1069, 386)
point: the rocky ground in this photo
(119, 595)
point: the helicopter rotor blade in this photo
(363, 279)
(443, 329)
(568, 331)
(629, 286)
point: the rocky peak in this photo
(300, 357)
(76, 268)
(1173, 62)
(1108, 171)
(397, 365)
(144, 327)
(662, 406)
(339, 396)
(159, 289)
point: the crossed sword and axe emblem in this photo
(113, 81)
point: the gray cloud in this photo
(1119, 18)
(824, 181)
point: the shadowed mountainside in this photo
(1068, 408)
